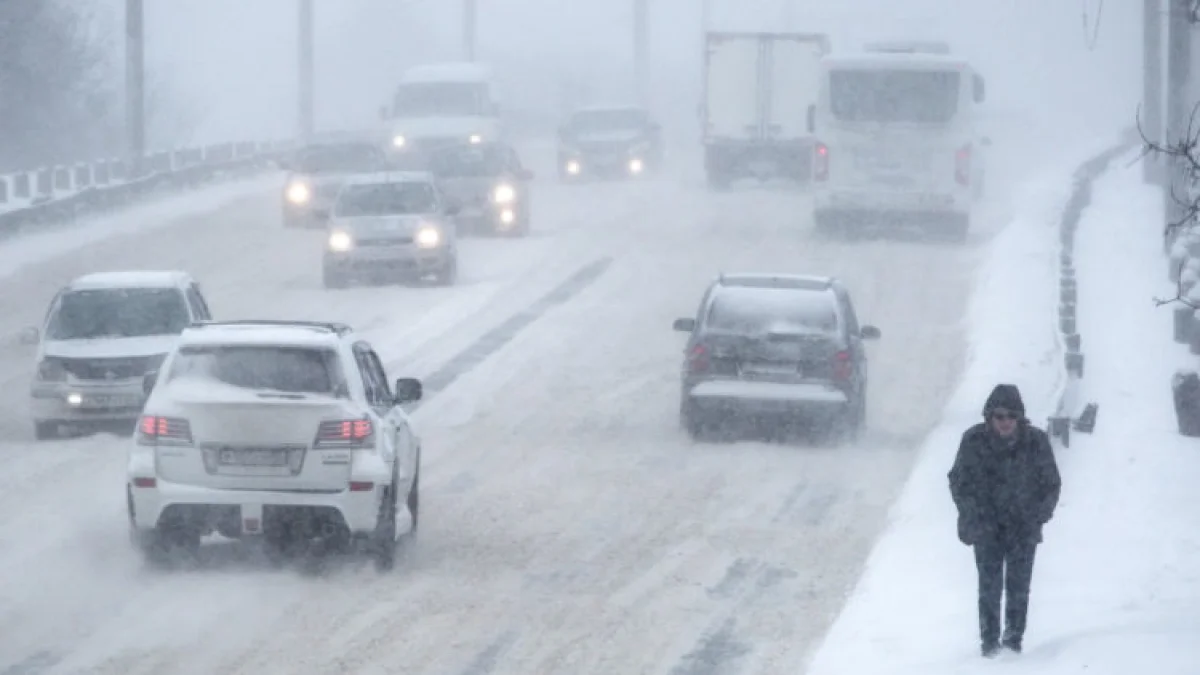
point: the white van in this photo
(440, 104)
(897, 142)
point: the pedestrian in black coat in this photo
(1005, 484)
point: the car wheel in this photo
(414, 501)
(332, 277)
(693, 422)
(44, 431)
(383, 541)
(164, 549)
(958, 229)
(448, 275)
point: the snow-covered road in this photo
(568, 525)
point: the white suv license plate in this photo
(264, 457)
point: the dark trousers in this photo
(1005, 568)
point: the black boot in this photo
(989, 649)
(1013, 643)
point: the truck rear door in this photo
(794, 67)
(732, 87)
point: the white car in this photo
(391, 225)
(102, 333)
(285, 432)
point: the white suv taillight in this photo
(155, 430)
(962, 165)
(342, 434)
(820, 162)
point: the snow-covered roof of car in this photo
(131, 279)
(915, 61)
(265, 333)
(447, 72)
(383, 177)
(811, 282)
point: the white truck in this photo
(758, 88)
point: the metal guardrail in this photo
(38, 197)
(1069, 414)
(56, 194)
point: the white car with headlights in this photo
(283, 432)
(315, 175)
(392, 224)
(440, 104)
(102, 333)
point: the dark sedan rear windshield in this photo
(386, 199)
(297, 370)
(759, 310)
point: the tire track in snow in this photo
(495, 339)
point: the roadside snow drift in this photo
(914, 609)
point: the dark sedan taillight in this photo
(698, 360)
(843, 366)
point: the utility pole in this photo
(641, 39)
(135, 90)
(1179, 56)
(1152, 86)
(306, 83)
(470, 28)
(789, 14)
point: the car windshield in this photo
(386, 199)
(469, 161)
(906, 96)
(599, 121)
(439, 99)
(340, 159)
(294, 370)
(751, 311)
(118, 313)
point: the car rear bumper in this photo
(81, 403)
(251, 512)
(894, 203)
(743, 397)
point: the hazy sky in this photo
(229, 65)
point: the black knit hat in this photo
(1005, 396)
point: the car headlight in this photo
(428, 237)
(298, 193)
(475, 139)
(399, 141)
(504, 194)
(340, 241)
(573, 167)
(636, 165)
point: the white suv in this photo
(102, 333)
(286, 432)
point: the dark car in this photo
(614, 141)
(316, 173)
(781, 347)
(487, 185)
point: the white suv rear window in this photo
(297, 370)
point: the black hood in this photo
(1005, 396)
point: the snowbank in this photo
(914, 610)
(33, 248)
(1118, 585)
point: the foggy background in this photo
(220, 70)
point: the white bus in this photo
(897, 143)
